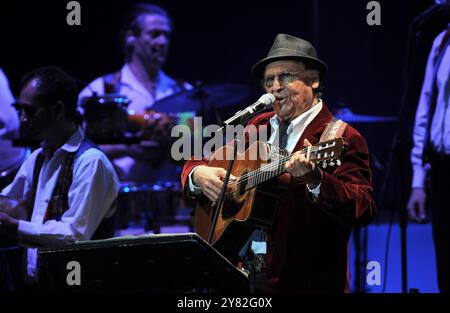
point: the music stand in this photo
(149, 263)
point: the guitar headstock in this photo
(327, 153)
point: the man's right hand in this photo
(209, 179)
(416, 205)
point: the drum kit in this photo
(107, 119)
(152, 206)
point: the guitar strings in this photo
(267, 168)
(263, 170)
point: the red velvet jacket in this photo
(308, 242)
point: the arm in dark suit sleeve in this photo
(346, 192)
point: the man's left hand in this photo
(299, 166)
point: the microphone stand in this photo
(236, 119)
(398, 148)
(225, 183)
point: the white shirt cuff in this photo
(26, 229)
(418, 180)
(315, 192)
(193, 189)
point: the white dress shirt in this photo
(296, 127)
(294, 131)
(9, 120)
(94, 188)
(141, 98)
(10, 157)
(440, 125)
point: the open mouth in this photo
(283, 100)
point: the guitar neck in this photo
(322, 152)
(270, 170)
(264, 174)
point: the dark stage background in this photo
(218, 41)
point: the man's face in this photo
(153, 41)
(35, 119)
(294, 95)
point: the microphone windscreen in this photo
(268, 99)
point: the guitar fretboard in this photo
(328, 150)
(278, 159)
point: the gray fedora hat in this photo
(287, 47)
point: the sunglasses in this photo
(283, 78)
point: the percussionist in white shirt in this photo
(146, 36)
(66, 190)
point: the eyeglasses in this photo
(284, 78)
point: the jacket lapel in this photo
(314, 130)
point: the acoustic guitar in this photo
(251, 203)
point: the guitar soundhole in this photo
(233, 204)
(240, 193)
(241, 188)
(230, 208)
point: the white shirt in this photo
(9, 120)
(296, 127)
(141, 98)
(94, 188)
(440, 125)
(294, 131)
(10, 157)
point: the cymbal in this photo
(204, 98)
(347, 115)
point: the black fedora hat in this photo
(287, 47)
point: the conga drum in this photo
(105, 117)
(134, 201)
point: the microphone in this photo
(263, 102)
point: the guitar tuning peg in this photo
(332, 163)
(338, 162)
(324, 164)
